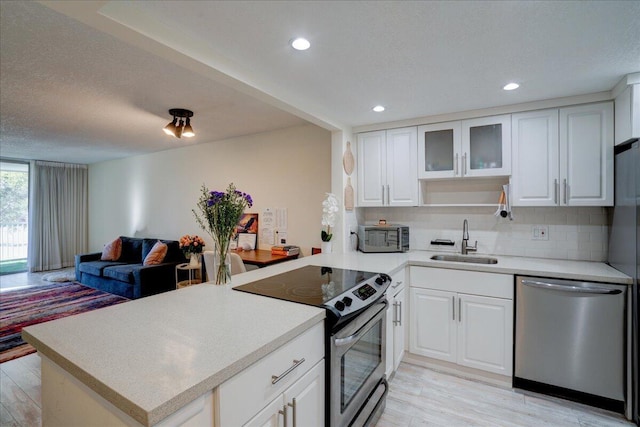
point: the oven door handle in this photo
(340, 342)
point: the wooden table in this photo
(262, 257)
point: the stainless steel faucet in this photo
(465, 239)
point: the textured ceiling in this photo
(418, 58)
(73, 94)
(90, 91)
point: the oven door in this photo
(357, 363)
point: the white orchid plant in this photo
(329, 215)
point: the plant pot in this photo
(326, 247)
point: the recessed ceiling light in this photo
(511, 86)
(300, 44)
(378, 108)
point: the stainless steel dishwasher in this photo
(570, 340)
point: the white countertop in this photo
(560, 269)
(151, 356)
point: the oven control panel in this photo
(364, 292)
(361, 295)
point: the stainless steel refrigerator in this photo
(624, 246)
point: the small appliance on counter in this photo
(383, 238)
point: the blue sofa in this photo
(127, 276)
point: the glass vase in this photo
(222, 265)
(194, 259)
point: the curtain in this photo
(59, 215)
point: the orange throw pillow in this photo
(156, 254)
(112, 250)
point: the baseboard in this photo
(458, 370)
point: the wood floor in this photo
(417, 397)
(422, 397)
(20, 392)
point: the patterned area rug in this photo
(24, 307)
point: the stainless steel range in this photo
(355, 340)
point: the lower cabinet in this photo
(399, 305)
(302, 404)
(285, 388)
(452, 320)
(395, 323)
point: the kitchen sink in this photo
(464, 258)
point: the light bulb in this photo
(300, 44)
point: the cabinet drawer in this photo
(244, 395)
(398, 283)
(463, 281)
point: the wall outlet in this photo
(540, 232)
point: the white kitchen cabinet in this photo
(388, 365)
(396, 323)
(399, 304)
(302, 404)
(586, 155)
(293, 375)
(462, 317)
(432, 326)
(439, 150)
(536, 152)
(387, 168)
(486, 146)
(485, 330)
(563, 157)
(468, 148)
(270, 416)
(627, 113)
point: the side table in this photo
(192, 272)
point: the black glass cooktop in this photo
(311, 285)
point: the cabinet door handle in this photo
(296, 363)
(459, 309)
(388, 195)
(453, 307)
(283, 412)
(455, 165)
(556, 190)
(383, 194)
(464, 164)
(397, 284)
(396, 305)
(293, 407)
(400, 313)
(566, 192)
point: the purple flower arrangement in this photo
(218, 214)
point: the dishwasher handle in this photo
(570, 288)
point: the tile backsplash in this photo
(575, 233)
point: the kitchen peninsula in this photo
(147, 361)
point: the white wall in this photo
(574, 233)
(152, 195)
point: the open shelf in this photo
(471, 192)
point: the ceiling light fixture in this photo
(378, 108)
(182, 128)
(300, 44)
(511, 86)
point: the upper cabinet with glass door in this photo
(468, 148)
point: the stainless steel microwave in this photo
(383, 238)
